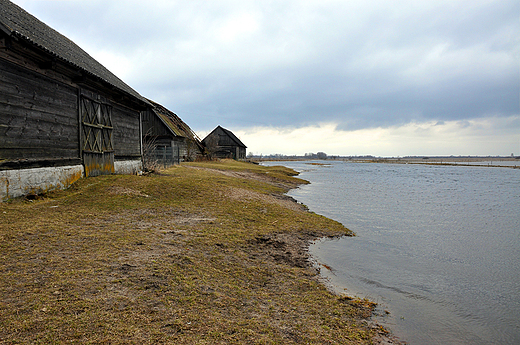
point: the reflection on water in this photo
(437, 246)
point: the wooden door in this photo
(96, 137)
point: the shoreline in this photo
(451, 161)
(303, 258)
(384, 335)
(203, 252)
(353, 259)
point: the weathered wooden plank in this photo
(36, 163)
(31, 85)
(38, 150)
(126, 134)
(152, 125)
(96, 126)
(38, 116)
(9, 105)
(61, 106)
(22, 118)
(14, 154)
(98, 164)
(42, 141)
(18, 117)
(13, 126)
(53, 109)
(94, 95)
(34, 96)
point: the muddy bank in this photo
(292, 249)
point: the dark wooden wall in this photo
(127, 133)
(153, 126)
(224, 139)
(38, 117)
(241, 153)
(40, 114)
(226, 147)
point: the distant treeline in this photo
(324, 156)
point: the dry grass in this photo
(212, 255)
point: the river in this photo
(437, 247)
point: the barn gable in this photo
(167, 138)
(222, 143)
(63, 115)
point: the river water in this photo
(438, 247)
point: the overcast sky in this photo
(351, 77)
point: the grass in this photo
(205, 253)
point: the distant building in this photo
(222, 143)
(168, 140)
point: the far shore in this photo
(497, 162)
(470, 161)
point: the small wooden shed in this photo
(63, 115)
(167, 140)
(222, 143)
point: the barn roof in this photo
(18, 23)
(174, 122)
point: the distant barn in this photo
(62, 114)
(222, 143)
(167, 140)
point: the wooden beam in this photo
(80, 79)
(5, 43)
(48, 64)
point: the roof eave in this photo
(166, 124)
(7, 31)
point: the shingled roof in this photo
(17, 23)
(173, 122)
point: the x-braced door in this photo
(97, 146)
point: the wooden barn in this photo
(167, 140)
(222, 143)
(62, 114)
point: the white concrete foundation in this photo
(15, 183)
(128, 167)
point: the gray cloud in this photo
(360, 64)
